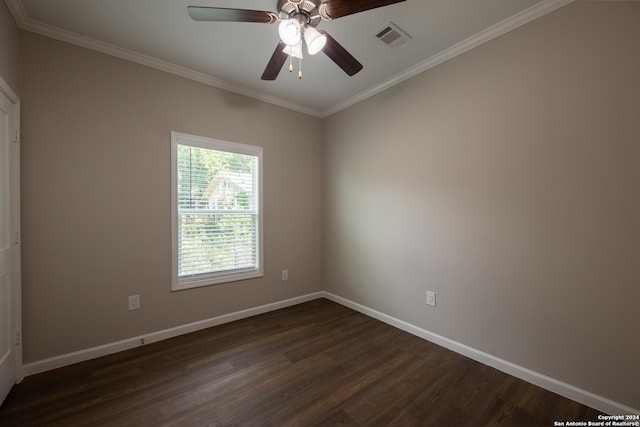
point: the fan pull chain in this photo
(300, 68)
(290, 64)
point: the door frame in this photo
(14, 197)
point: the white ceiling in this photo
(232, 56)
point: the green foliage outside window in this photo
(217, 211)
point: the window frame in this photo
(213, 278)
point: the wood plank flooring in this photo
(313, 364)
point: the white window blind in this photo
(216, 211)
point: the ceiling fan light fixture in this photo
(297, 20)
(289, 31)
(315, 40)
(294, 50)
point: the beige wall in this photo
(507, 181)
(9, 36)
(96, 197)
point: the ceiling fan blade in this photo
(341, 56)
(198, 13)
(275, 63)
(339, 8)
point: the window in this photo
(216, 211)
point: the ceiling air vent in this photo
(393, 36)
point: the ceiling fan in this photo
(298, 20)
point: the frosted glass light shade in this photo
(315, 40)
(294, 50)
(289, 31)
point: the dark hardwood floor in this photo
(314, 364)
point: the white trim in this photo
(129, 343)
(536, 11)
(24, 22)
(6, 89)
(14, 194)
(567, 390)
(182, 283)
(503, 27)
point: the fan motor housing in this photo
(305, 11)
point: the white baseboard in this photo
(567, 390)
(126, 344)
(592, 400)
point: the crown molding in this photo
(503, 27)
(25, 23)
(540, 9)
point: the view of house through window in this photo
(216, 211)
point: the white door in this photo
(8, 248)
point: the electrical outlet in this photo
(285, 274)
(134, 302)
(431, 298)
